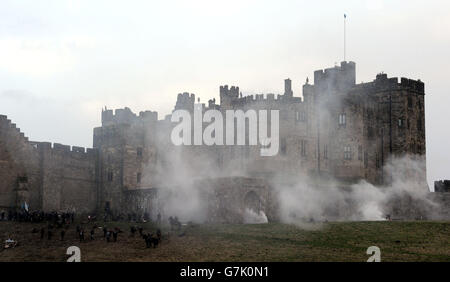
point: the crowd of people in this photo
(37, 216)
(59, 223)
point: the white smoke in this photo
(405, 196)
(252, 217)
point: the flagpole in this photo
(345, 18)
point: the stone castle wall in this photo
(45, 177)
(382, 119)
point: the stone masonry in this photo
(338, 129)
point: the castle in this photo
(339, 129)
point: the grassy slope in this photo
(398, 241)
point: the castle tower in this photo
(288, 88)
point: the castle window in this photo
(325, 152)
(139, 152)
(400, 123)
(347, 153)
(342, 120)
(138, 177)
(283, 146)
(410, 102)
(303, 147)
(366, 160)
(300, 116)
(22, 179)
(110, 175)
(360, 153)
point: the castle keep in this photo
(338, 130)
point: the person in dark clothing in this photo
(115, 233)
(63, 233)
(92, 233)
(158, 235)
(81, 235)
(146, 238)
(105, 231)
(140, 229)
(132, 230)
(150, 240)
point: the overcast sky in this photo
(62, 61)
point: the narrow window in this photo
(419, 125)
(360, 153)
(110, 176)
(342, 120)
(410, 102)
(302, 116)
(347, 153)
(325, 152)
(366, 160)
(138, 177)
(303, 147)
(283, 146)
(377, 161)
(400, 123)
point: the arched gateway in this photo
(227, 199)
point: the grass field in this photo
(343, 241)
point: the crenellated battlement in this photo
(442, 186)
(6, 123)
(232, 92)
(185, 101)
(266, 98)
(126, 116)
(341, 77)
(60, 148)
(415, 85)
(232, 96)
(383, 83)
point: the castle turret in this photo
(227, 95)
(338, 78)
(288, 88)
(185, 101)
